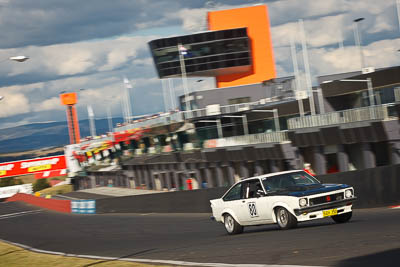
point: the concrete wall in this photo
(375, 187)
(51, 204)
(196, 201)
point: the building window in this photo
(239, 100)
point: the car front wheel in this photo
(285, 219)
(231, 225)
(342, 218)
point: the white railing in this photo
(347, 116)
(261, 138)
(182, 115)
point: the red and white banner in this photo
(31, 166)
(49, 174)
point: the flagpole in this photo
(184, 78)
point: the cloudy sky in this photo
(93, 44)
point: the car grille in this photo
(326, 199)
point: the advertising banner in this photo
(32, 166)
(9, 191)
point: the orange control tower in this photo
(256, 20)
(70, 99)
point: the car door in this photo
(255, 208)
(233, 201)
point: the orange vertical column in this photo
(70, 99)
(256, 20)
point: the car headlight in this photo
(348, 193)
(303, 202)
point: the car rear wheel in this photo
(285, 219)
(342, 218)
(231, 225)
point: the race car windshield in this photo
(289, 181)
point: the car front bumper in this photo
(325, 206)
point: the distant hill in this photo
(44, 135)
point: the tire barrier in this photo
(83, 206)
(51, 204)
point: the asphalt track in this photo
(371, 238)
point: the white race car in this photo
(284, 198)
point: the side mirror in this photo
(260, 193)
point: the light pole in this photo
(357, 39)
(91, 121)
(307, 67)
(244, 118)
(181, 52)
(296, 76)
(276, 118)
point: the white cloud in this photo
(98, 65)
(13, 104)
(194, 20)
(53, 103)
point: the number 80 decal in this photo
(252, 209)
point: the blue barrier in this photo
(83, 206)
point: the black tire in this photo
(342, 218)
(232, 227)
(285, 219)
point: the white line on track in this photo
(180, 263)
(16, 214)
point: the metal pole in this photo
(184, 79)
(245, 125)
(357, 38)
(296, 75)
(123, 104)
(398, 11)
(276, 120)
(370, 92)
(219, 128)
(109, 119)
(307, 67)
(171, 94)
(91, 121)
(164, 95)
(321, 101)
(128, 86)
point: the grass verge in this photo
(15, 256)
(57, 190)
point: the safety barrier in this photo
(83, 206)
(51, 204)
(375, 187)
(75, 206)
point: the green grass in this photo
(15, 256)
